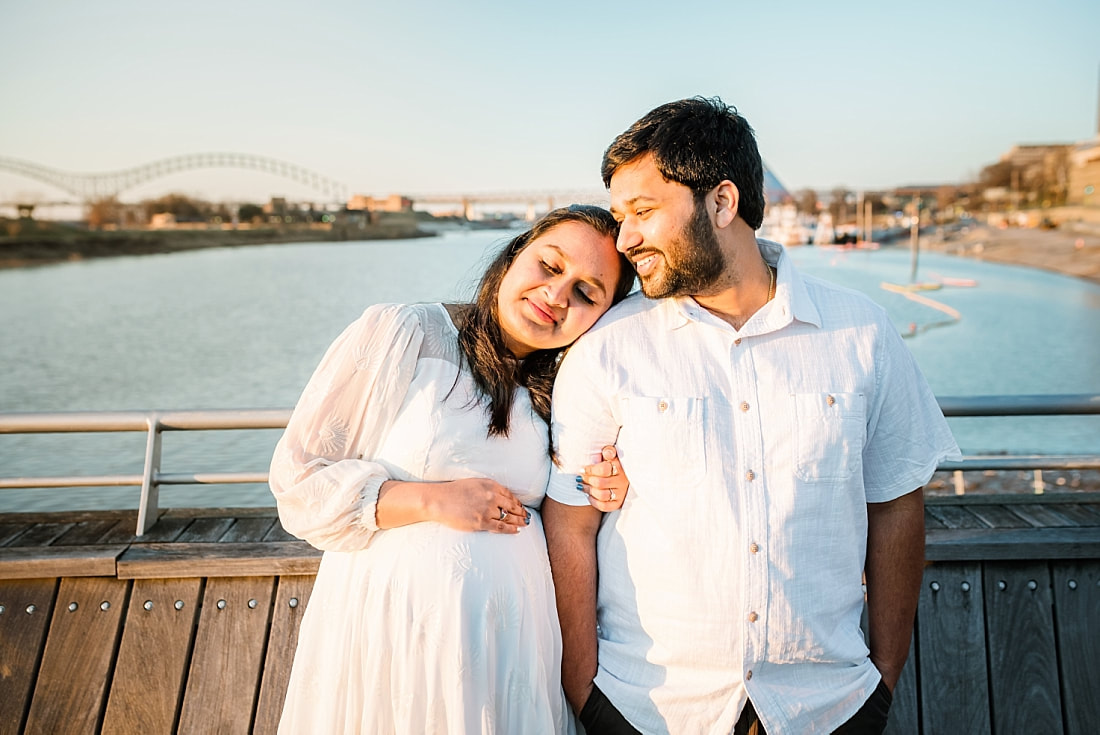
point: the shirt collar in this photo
(792, 301)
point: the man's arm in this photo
(571, 544)
(894, 568)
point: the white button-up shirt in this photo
(734, 567)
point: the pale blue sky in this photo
(486, 95)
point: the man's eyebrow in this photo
(632, 201)
(592, 281)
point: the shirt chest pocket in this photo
(828, 429)
(661, 440)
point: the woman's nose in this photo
(557, 292)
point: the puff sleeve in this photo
(324, 482)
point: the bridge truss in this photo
(90, 187)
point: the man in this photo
(776, 433)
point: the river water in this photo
(244, 328)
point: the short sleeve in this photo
(907, 435)
(324, 482)
(582, 421)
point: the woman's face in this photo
(556, 288)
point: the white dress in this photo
(417, 629)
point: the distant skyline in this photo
(421, 96)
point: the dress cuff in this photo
(368, 502)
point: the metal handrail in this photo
(153, 423)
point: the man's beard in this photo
(693, 261)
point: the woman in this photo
(423, 425)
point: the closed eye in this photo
(585, 297)
(554, 270)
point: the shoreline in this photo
(1069, 252)
(49, 244)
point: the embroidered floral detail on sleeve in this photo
(332, 435)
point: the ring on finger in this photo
(503, 514)
(612, 495)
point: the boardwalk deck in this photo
(192, 627)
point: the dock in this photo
(191, 627)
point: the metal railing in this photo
(154, 423)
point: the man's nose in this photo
(628, 237)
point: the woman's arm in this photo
(322, 476)
(474, 504)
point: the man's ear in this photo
(726, 199)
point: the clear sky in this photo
(507, 95)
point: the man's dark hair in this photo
(699, 143)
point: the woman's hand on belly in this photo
(471, 504)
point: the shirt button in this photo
(830, 400)
(750, 475)
(744, 406)
(753, 548)
(752, 617)
(662, 406)
(748, 674)
(737, 341)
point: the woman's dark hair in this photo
(496, 370)
(699, 143)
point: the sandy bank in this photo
(1062, 251)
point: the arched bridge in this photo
(92, 186)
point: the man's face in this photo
(670, 240)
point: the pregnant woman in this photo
(417, 458)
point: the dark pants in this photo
(600, 717)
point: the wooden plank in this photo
(278, 533)
(229, 647)
(968, 544)
(33, 562)
(904, 712)
(954, 681)
(147, 689)
(996, 515)
(1042, 516)
(954, 516)
(10, 531)
(71, 691)
(248, 530)
(1077, 609)
(166, 529)
(25, 608)
(204, 530)
(265, 511)
(41, 534)
(1079, 514)
(146, 561)
(290, 604)
(930, 521)
(86, 532)
(1022, 659)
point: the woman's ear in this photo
(726, 199)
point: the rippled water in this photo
(244, 328)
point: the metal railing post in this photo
(150, 485)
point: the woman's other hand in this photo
(605, 482)
(472, 504)
(477, 504)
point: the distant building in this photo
(392, 203)
(1083, 186)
